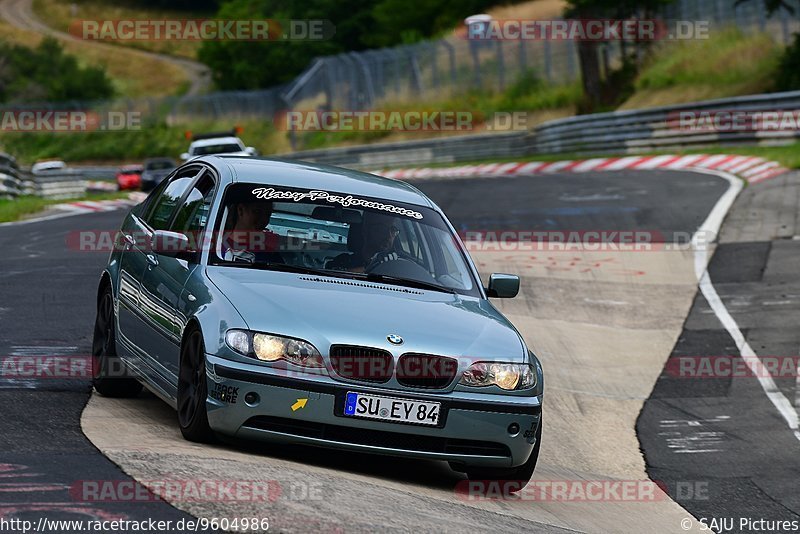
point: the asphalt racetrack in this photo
(603, 322)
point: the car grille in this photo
(362, 363)
(426, 371)
(378, 438)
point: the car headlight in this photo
(508, 376)
(270, 348)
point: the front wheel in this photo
(193, 390)
(105, 363)
(521, 474)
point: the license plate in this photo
(391, 409)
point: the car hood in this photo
(327, 311)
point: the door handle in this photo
(152, 261)
(129, 240)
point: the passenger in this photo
(248, 238)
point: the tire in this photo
(521, 474)
(193, 390)
(104, 354)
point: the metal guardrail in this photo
(10, 184)
(659, 128)
(634, 131)
(442, 150)
(68, 183)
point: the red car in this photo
(129, 177)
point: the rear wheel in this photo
(193, 390)
(108, 376)
(521, 474)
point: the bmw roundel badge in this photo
(394, 339)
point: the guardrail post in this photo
(501, 68)
(571, 63)
(762, 16)
(452, 58)
(416, 75)
(548, 63)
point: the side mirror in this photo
(252, 151)
(171, 244)
(503, 286)
(185, 156)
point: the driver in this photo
(379, 234)
(248, 239)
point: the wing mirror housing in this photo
(185, 156)
(171, 244)
(503, 286)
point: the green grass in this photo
(729, 63)
(132, 145)
(60, 14)
(529, 94)
(14, 210)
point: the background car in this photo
(155, 170)
(217, 143)
(129, 177)
(50, 166)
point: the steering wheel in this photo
(401, 268)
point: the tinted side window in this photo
(146, 206)
(193, 213)
(160, 212)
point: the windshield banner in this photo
(268, 193)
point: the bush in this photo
(46, 73)
(787, 77)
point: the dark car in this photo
(155, 170)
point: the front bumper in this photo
(475, 430)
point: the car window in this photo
(192, 216)
(160, 213)
(409, 242)
(145, 206)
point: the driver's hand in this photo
(239, 255)
(381, 257)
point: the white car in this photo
(44, 167)
(232, 146)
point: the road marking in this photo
(589, 164)
(689, 436)
(652, 163)
(81, 208)
(797, 387)
(754, 169)
(712, 224)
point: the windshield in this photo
(340, 235)
(216, 149)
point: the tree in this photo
(47, 73)
(771, 5)
(588, 56)
(359, 24)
